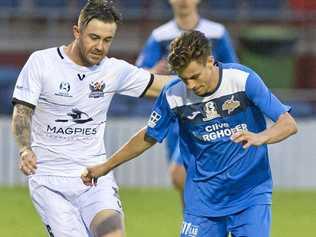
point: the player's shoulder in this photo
(44, 56)
(115, 63)
(39, 58)
(211, 29)
(175, 87)
(45, 52)
(237, 68)
(166, 31)
(114, 60)
(235, 73)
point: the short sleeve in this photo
(28, 86)
(160, 119)
(150, 54)
(134, 81)
(263, 98)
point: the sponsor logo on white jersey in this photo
(189, 230)
(230, 105)
(64, 88)
(81, 76)
(76, 116)
(154, 118)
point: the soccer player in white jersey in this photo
(153, 57)
(220, 111)
(61, 100)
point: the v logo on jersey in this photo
(81, 77)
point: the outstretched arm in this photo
(133, 148)
(284, 127)
(159, 82)
(21, 128)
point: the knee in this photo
(178, 174)
(108, 226)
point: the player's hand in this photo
(161, 67)
(28, 162)
(91, 174)
(248, 138)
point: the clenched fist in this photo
(91, 174)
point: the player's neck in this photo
(214, 74)
(72, 51)
(187, 22)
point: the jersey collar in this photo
(220, 68)
(63, 56)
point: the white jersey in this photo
(71, 104)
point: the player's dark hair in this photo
(190, 46)
(103, 10)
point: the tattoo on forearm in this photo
(21, 125)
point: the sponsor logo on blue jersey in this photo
(189, 230)
(219, 130)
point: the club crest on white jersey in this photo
(97, 88)
(64, 89)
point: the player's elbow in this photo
(294, 128)
(291, 124)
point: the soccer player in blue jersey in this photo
(153, 57)
(220, 111)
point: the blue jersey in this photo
(222, 177)
(157, 47)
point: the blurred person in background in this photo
(153, 57)
(220, 109)
(61, 99)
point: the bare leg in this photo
(178, 175)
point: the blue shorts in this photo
(253, 221)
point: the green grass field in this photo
(156, 213)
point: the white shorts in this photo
(67, 206)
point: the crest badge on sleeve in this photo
(154, 118)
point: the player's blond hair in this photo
(190, 46)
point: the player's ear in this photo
(76, 31)
(210, 61)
